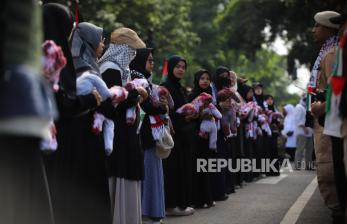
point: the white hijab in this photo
(289, 120)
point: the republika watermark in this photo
(243, 165)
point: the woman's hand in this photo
(317, 109)
(97, 97)
(306, 130)
(143, 92)
(163, 100)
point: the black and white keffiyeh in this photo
(120, 54)
(329, 44)
(136, 75)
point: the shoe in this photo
(212, 204)
(148, 220)
(179, 212)
(190, 210)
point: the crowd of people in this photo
(94, 140)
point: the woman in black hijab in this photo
(76, 171)
(152, 195)
(58, 24)
(263, 141)
(139, 63)
(246, 93)
(275, 125)
(258, 94)
(203, 197)
(221, 80)
(197, 89)
(178, 167)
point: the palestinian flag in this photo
(165, 71)
(339, 75)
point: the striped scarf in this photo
(332, 42)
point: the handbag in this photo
(164, 145)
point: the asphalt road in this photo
(291, 198)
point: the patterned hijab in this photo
(85, 40)
(120, 54)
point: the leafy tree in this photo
(244, 23)
(234, 33)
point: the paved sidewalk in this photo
(264, 202)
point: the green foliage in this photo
(209, 33)
(292, 20)
(267, 68)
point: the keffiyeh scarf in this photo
(122, 55)
(332, 42)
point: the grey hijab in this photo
(85, 40)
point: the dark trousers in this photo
(273, 155)
(291, 153)
(339, 171)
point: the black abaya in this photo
(202, 193)
(87, 199)
(178, 167)
(126, 160)
(219, 179)
(76, 171)
(230, 177)
(23, 186)
(239, 153)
